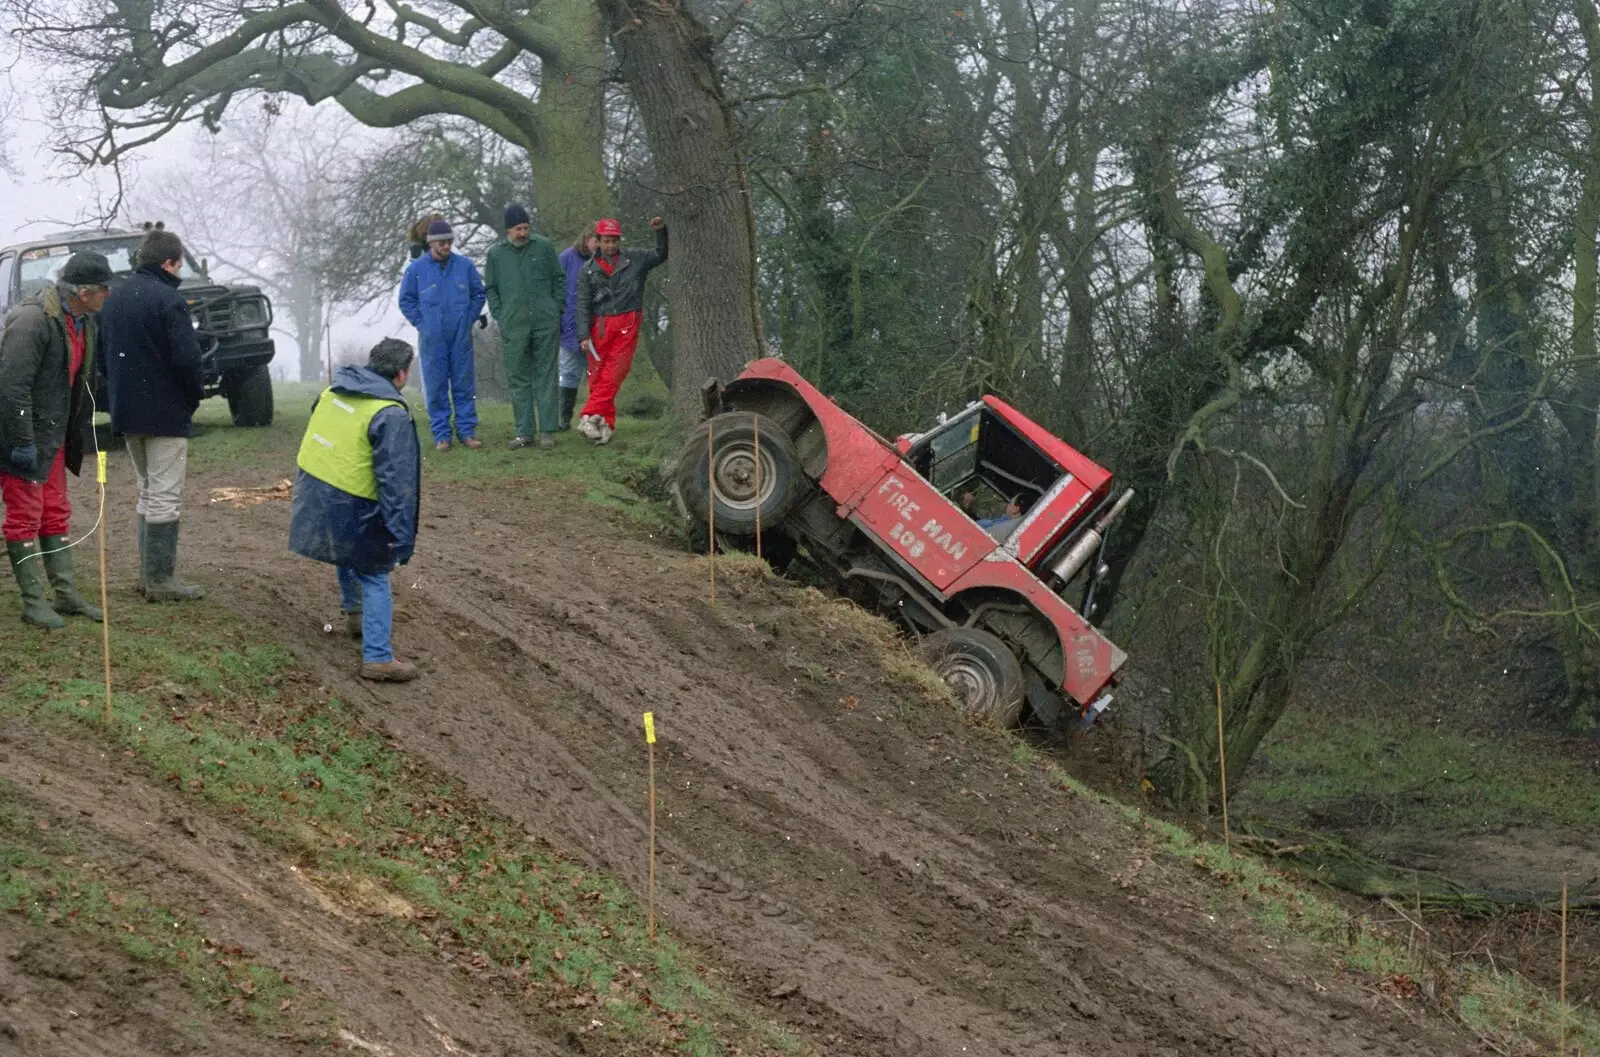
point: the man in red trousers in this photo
(47, 358)
(610, 298)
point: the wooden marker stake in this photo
(758, 485)
(650, 747)
(1563, 1016)
(711, 505)
(105, 611)
(1222, 766)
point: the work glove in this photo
(24, 458)
(483, 321)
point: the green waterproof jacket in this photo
(40, 404)
(526, 284)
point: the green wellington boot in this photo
(25, 566)
(161, 564)
(58, 567)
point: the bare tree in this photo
(261, 204)
(532, 72)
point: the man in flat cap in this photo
(46, 376)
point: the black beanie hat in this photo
(87, 269)
(517, 213)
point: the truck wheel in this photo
(249, 393)
(731, 469)
(983, 674)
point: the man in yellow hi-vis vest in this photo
(357, 495)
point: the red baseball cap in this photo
(608, 227)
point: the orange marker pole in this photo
(650, 748)
(105, 610)
(711, 505)
(758, 485)
(1222, 765)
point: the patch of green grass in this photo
(1406, 770)
(612, 476)
(1496, 1005)
(43, 878)
(369, 826)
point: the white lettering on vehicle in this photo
(907, 539)
(944, 540)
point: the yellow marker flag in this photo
(650, 727)
(100, 467)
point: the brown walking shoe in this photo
(395, 671)
(352, 623)
(442, 445)
(472, 442)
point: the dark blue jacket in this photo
(330, 525)
(572, 263)
(149, 356)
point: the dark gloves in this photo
(483, 321)
(24, 458)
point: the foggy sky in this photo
(47, 193)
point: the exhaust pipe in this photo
(1087, 546)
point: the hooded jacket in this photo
(150, 356)
(331, 525)
(601, 295)
(40, 404)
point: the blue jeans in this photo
(574, 365)
(450, 385)
(368, 594)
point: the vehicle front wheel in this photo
(749, 464)
(249, 392)
(980, 670)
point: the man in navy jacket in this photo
(150, 355)
(357, 495)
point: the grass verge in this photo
(45, 879)
(1502, 1008)
(236, 728)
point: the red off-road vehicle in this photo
(897, 527)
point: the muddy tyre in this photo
(742, 490)
(980, 670)
(249, 392)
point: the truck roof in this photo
(70, 236)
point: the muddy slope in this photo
(877, 874)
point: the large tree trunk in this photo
(666, 59)
(569, 177)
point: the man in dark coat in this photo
(46, 377)
(610, 306)
(357, 495)
(154, 376)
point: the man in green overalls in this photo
(357, 496)
(527, 290)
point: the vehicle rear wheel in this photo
(249, 392)
(743, 489)
(980, 670)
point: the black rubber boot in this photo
(569, 404)
(161, 564)
(58, 566)
(142, 574)
(25, 567)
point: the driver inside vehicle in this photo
(999, 526)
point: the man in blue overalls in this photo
(442, 295)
